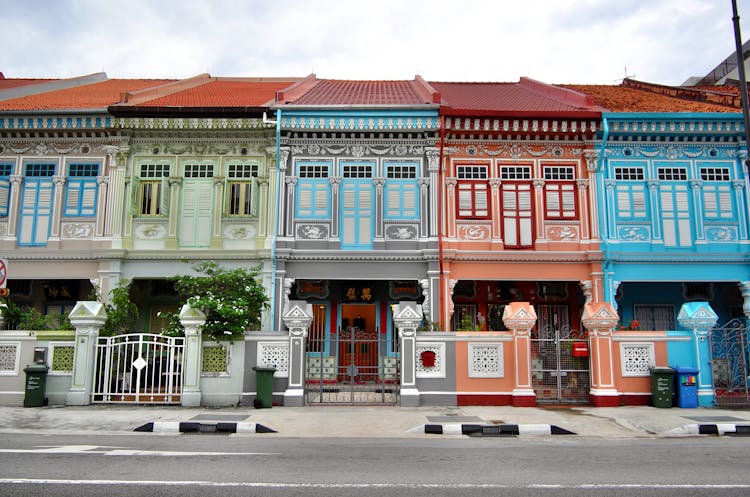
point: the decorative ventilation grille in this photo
(9, 358)
(637, 358)
(215, 359)
(62, 358)
(486, 360)
(274, 355)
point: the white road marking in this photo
(123, 451)
(45, 481)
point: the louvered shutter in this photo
(356, 214)
(80, 197)
(675, 208)
(4, 196)
(517, 215)
(163, 196)
(197, 213)
(473, 199)
(560, 200)
(717, 202)
(36, 212)
(401, 199)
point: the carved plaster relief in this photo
(563, 233)
(473, 232)
(312, 231)
(401, 232)
(239, 231)
(77, 230)
(151, 231)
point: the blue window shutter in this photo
(4, 196)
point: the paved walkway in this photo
(616, 422)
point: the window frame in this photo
(474, 179)
(85, 183)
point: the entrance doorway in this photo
(355, 363)
(561, 374)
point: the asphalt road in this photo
(250, 465)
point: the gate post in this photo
(520, 317)
(699, 317)
(600, 319)
(192, 319)
(298, 316)
(88, 318)
(407, 316)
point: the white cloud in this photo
(583, 41)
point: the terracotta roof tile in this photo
(375, 93)
(526, 96)
(617, 98)
(223, 93)
(93, 96)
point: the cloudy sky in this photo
(556, 41)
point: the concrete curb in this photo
(193, 427)
(478, 430)
(711, 429)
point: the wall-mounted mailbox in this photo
(580, 349)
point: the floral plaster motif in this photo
(312, 231)
(721, 233)
(401, 232)
(633, 233)
(77, 230)
(153, 231)
(239, 231)
(473, 232)
(562, 233)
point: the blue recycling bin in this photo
(686, 386)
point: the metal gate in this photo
(138, 369)
(559, 377)
(729, 363)
(352, 366)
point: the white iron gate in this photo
(138, 369)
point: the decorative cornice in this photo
(50, 122)
(360, 123)
(187, 123)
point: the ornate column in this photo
(433, 168)
(699, 317)
(379, 208)
(739, 198)
(216, 238)
(495, 219)
(520, 317)
(264, 206)
(696, 187)
(407, 316)
(335, 185)
(101, 202)
(119, 195)
(600, 319)
(424, 199)
(57, 208)
(288, 224)
(192, 320)
(584, 213)
(279, 182)
(298, 316)
(14, 205)
(172, 221)
(592, 162)
(541, 235)
(450, 207)
(88, 318)
(656, 215)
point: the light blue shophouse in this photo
(674, 224)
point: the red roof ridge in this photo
(426, 91)
(296, 90)
(564, 95)
(140, 96)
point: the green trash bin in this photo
(263, 386)
(36, 385)
(662, 386)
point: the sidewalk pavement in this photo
(377, 421)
